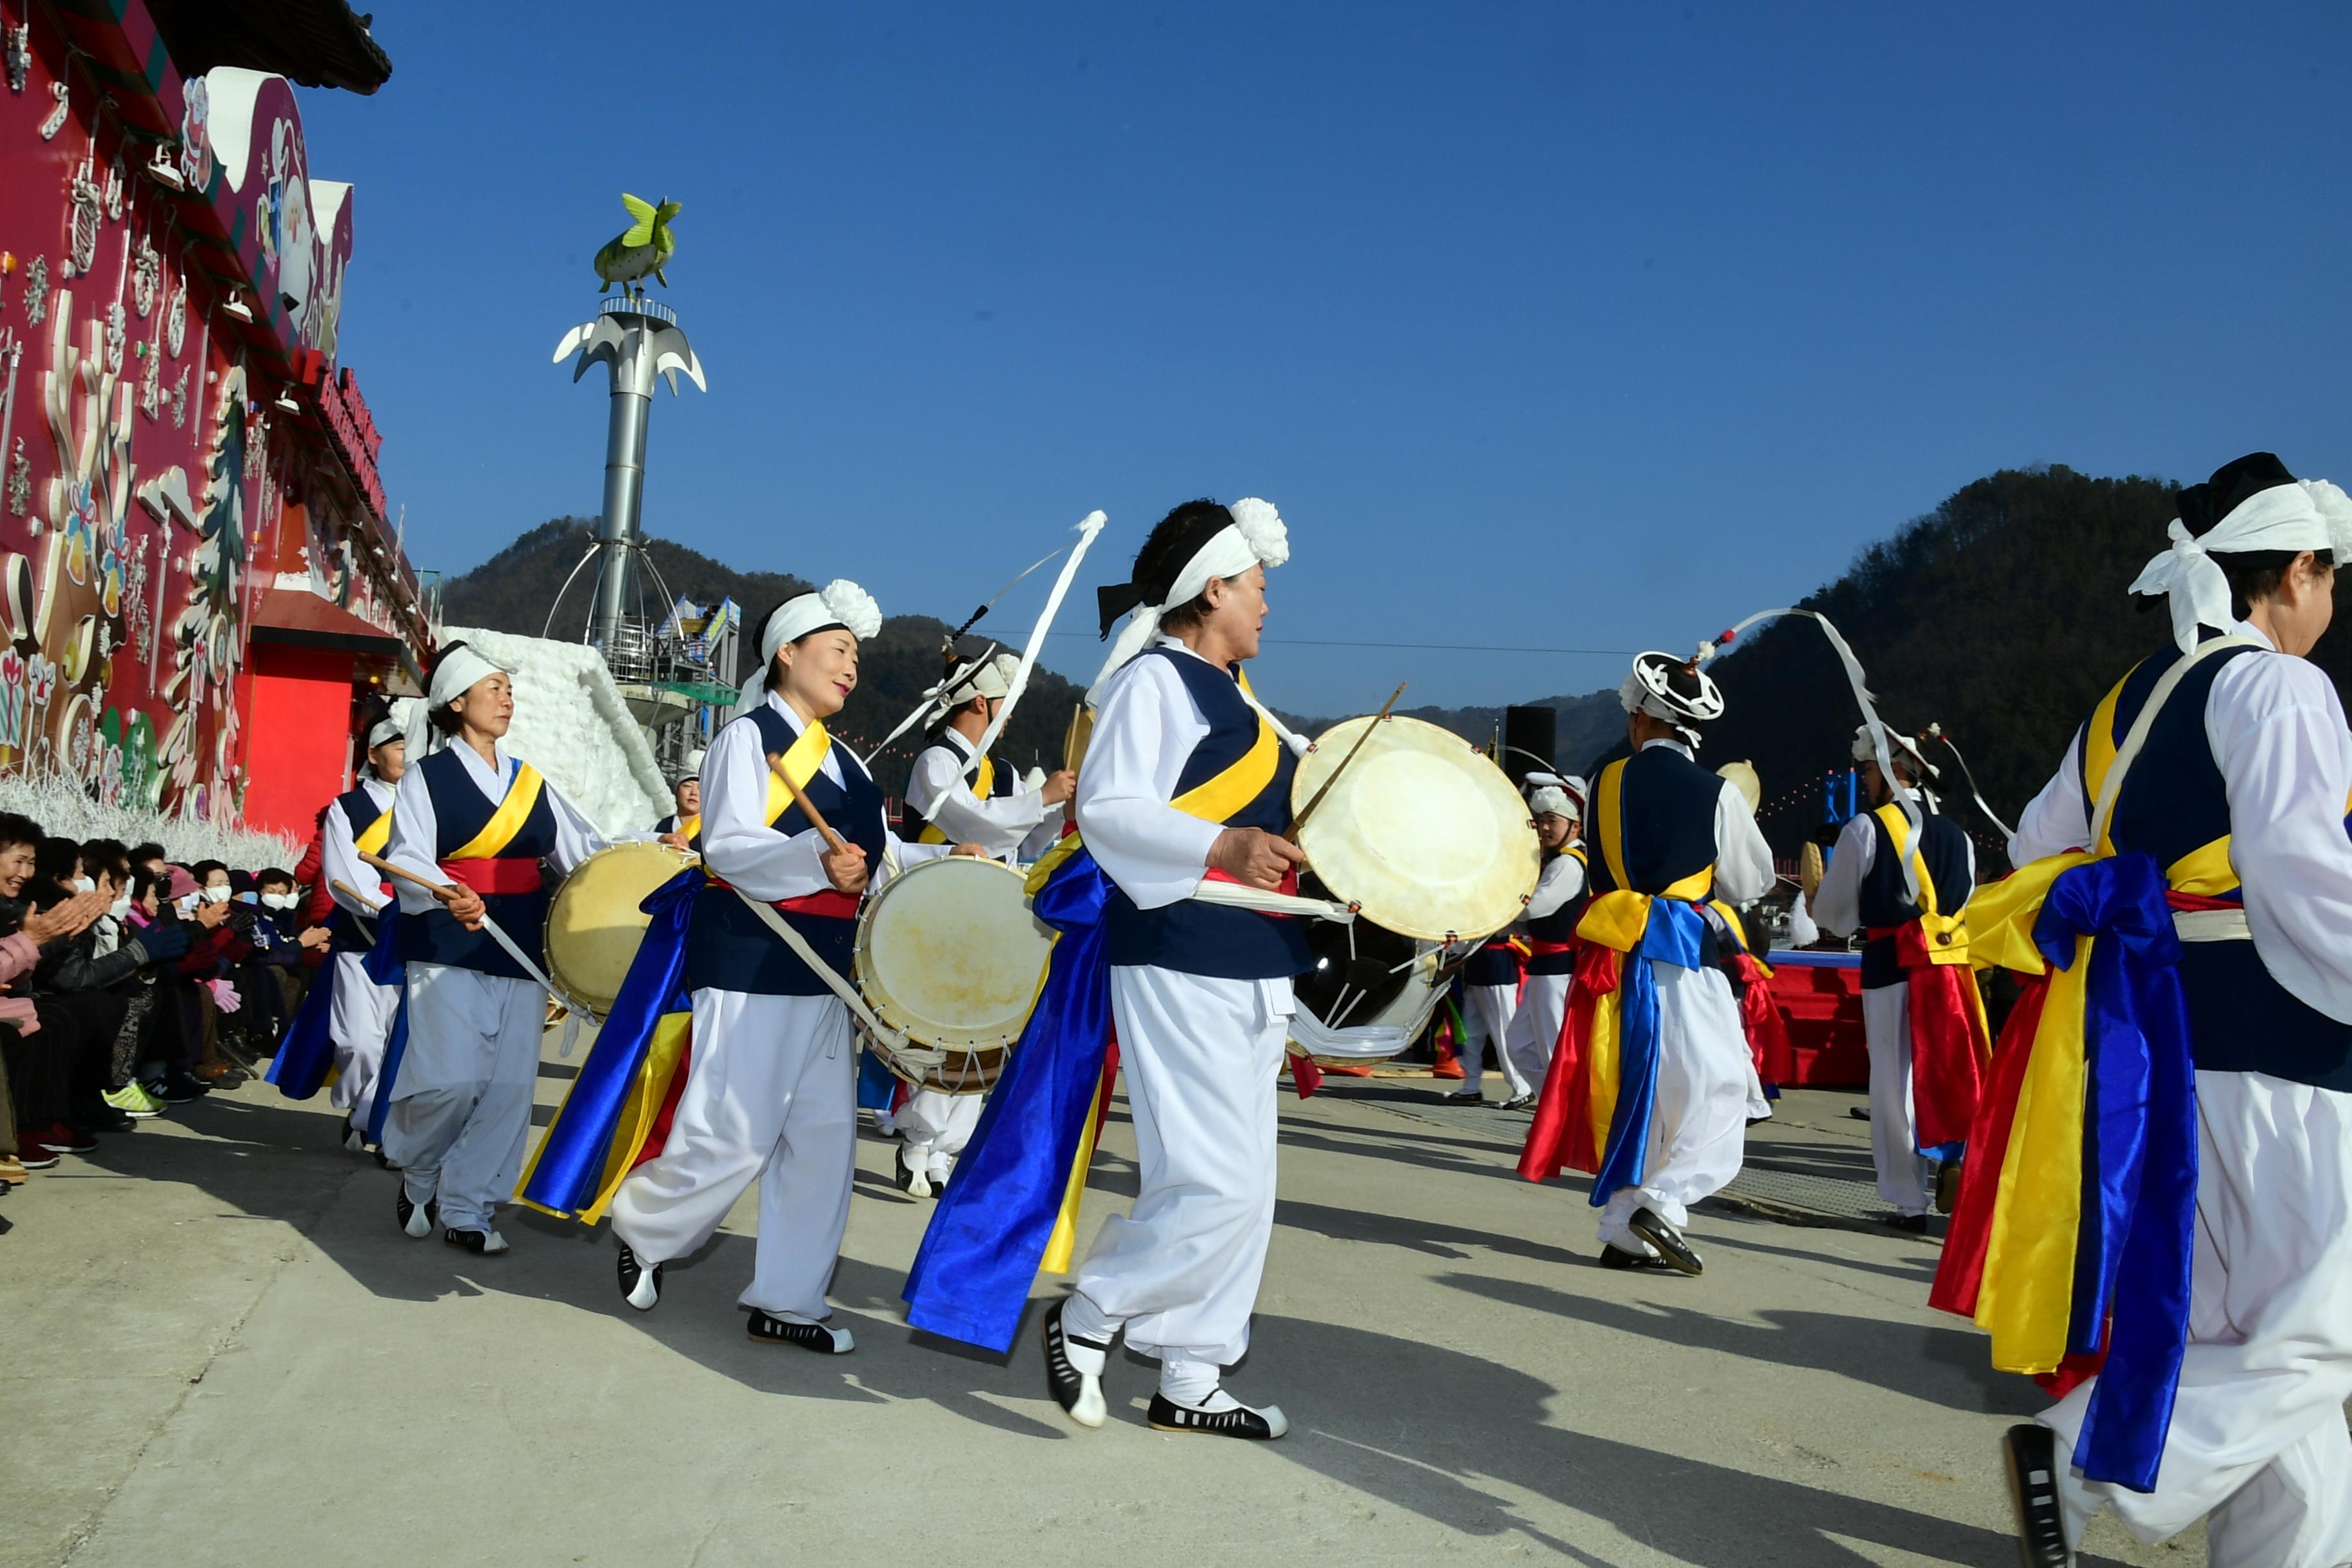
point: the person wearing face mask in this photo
(85, 985)
(477, 823)
(51, 1063)
(182, 1004)
(770, 1088)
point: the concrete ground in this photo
(219, 1350)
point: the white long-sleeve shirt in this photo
(939, 788)
(1837, 903)
(1561, 880)
(339, 855)
(2277, 732)
(738, 844)
(1146, 728)
(416, 827)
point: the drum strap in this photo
(900, 1045)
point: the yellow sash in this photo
(378, 834)
(688, 825)
(498, 832)
(1948, 935)
(801, 762)
(983, 787)
(1212, 800)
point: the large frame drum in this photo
(949, 955)
(1429, 843)
(593, 924)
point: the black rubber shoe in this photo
(1259, 1426)
(408, 1215)
(1078, 1394)
(1910, 1224)
(1618, 1257)
(2030, 1452)
(1673, 1250)
(480, 1243)
(640, 1285)
(774, 1330)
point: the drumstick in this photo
(808, 806)
(1316, 799)
(389, 870)
(356, 896)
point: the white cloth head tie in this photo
(840, 603)
(383, 733)
(457, 673)
(2308, 514)
(1552, 800)
(1257, 537)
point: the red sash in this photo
(1538, 948)
(1949, 1054)
(832, 904)
(492, 877)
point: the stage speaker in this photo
(1529, 735)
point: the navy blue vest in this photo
(1189, 936)
(2173, 801)
(1666, 802)
(359, 812)
(1561, 926)
(460, 812)
(1944, 851)
(1496, 964)
(967, 767)
(729, 947)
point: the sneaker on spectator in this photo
(178, 1087)
(34, 1154)
(65, 1139)
(132, 1101)
(12, 1170)
(98, 1117)
(154, 1106)
(214, 1072)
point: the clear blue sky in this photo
(1568, 325)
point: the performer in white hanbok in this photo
(1187, 779)
(770, 1088)
(361, 821)
(472, 817)
(1672, 838)
(2237, 794)
(958, 797)
(1550, 919)
(1863, 890)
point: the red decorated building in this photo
(199, 585)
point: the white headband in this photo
(840, 603)
(2306, 514)
(385, 733)
(1865, 752)
(457, 673)
(992, 678)
(1257, 537)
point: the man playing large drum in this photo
(770, 1084)
(956, 793)
(1188, 779)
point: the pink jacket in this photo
(18, 954)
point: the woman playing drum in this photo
(471, 816)
(770, 1085)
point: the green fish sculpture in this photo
(644, 246)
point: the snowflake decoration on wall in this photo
(180, 400)
(37, 290)
(82, 230)
(118, 330)
(20, 55)
(175, 320)
(20, 480)
(146, 276)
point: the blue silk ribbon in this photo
(2133, 1253)
(1675, 933)
(972, 1275)
(572, 1159)
(307, 1052)
(384, 968)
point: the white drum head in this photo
(1422, 831)
(949, 954)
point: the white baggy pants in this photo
(1906, 1176)
(1487, 1013)
(936, 1126)
(1180, 1271)
(1698, 1126)
(360, 1023)
(461, 1109)
(2258, 1446)
(1534, 1032)
(770, 1093)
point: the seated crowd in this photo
(129, 984)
